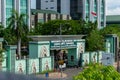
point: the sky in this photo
(112, 7)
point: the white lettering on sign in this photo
(62, 43)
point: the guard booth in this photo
(61, 47)
(112, 44)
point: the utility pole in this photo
(60, 48)
(118, 55)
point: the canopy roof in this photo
(55, 37)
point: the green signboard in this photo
(57, 44)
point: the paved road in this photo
(70, 72)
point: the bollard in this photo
(47, 75)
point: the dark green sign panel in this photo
(58, 44)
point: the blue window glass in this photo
(87, 9)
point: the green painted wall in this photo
(33, 50)
(85, 59)
(43, 50)
(11, 52)
(80, 48)
(93, 57)
(72, 57)
(38, 49)
(4, 63)
(46, 64)
(33, 66)
(100, 56)
(20, 66)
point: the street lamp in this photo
(61, 53)
(60, 48)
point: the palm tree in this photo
(1, 30)
(18, 26)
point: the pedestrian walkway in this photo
(67, 74)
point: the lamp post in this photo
(118, 57)
(60, 48)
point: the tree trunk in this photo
(19, 48)
(0, 66)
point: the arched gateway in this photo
(62, 47)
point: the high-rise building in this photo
(46, 4)
(22, 6)
(0, 11)
(93, 10)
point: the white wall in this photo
(65, 6)
(49, 4)
(33, 4)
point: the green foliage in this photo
(1, 31)
(98, 72)
(37, 30)
(17, 24)
(47, 71)
(9, 36)
(1, 55)
(95, 41)
(73, 27)
(111, 29)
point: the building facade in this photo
(95, 10)
(0, 11)
(92, 10)
(46, 4)
(42, 16)
(22, 6)
(113, 19)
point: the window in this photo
(46, 8)
(46, 1)
(87, 9)
(52, 1)
(51, 7)
(72, 58)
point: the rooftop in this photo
(55, 37)
(112, 18)
(34, 11)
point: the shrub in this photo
(98, 72)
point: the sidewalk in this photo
(67, 74)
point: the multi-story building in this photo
(113, 19)
(22, 6)
(42, 16)
(93, 10)
(0, 11)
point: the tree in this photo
(98, 72)
(1, 58)
(18, 27)
(95, 41)
(9, 36)
(111, 29)
(1, 30)
(36, 30)
(68, 27)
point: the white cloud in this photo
(113, 7)
(115, 11)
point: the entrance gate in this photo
(74, 46)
